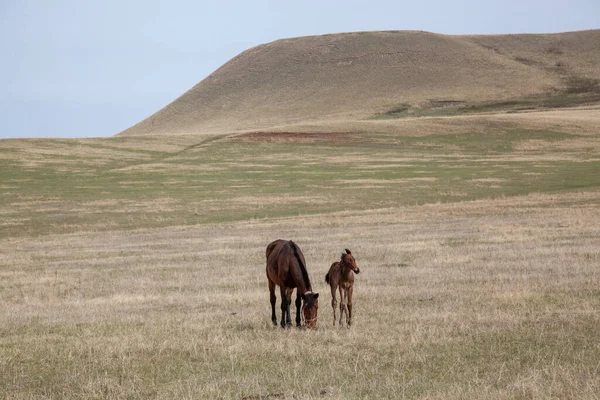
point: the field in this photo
(133, 267)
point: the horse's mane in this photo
(302, 266)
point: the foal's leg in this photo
(333, 301)
(342, 303)
(285, 308)
(273, 300)
(298, 307)
(350, 290)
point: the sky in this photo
(73, 68)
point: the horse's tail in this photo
(302, 266)
(327, 278)
(270, 248)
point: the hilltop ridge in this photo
(359, 75)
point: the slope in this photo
(358, 75)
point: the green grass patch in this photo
(578, 91)
(219, 181)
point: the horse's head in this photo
(349, 261)
(310, 307)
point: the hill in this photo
(368, 74)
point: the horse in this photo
(341, 274)
(286, 268)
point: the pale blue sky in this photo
(75, 68)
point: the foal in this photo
(341, 274)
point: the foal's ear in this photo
(348, 251)
(316, 296)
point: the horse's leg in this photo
(298, 307)
(273, 300)
(285, 307)
(350, 291)
(333, 301)
(288, 319)
(342, 303)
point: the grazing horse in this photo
(286, 268)
(341, 274)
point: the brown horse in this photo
(341, 274)
(286, 268)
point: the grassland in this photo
(133, 267)
(117, 183)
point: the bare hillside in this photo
(354, 76)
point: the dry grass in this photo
(484, 299)
(579, 120)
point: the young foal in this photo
(341, 274)
(286, 268)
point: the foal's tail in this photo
(327, 278)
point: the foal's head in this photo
(310, 307)
(349, 261)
